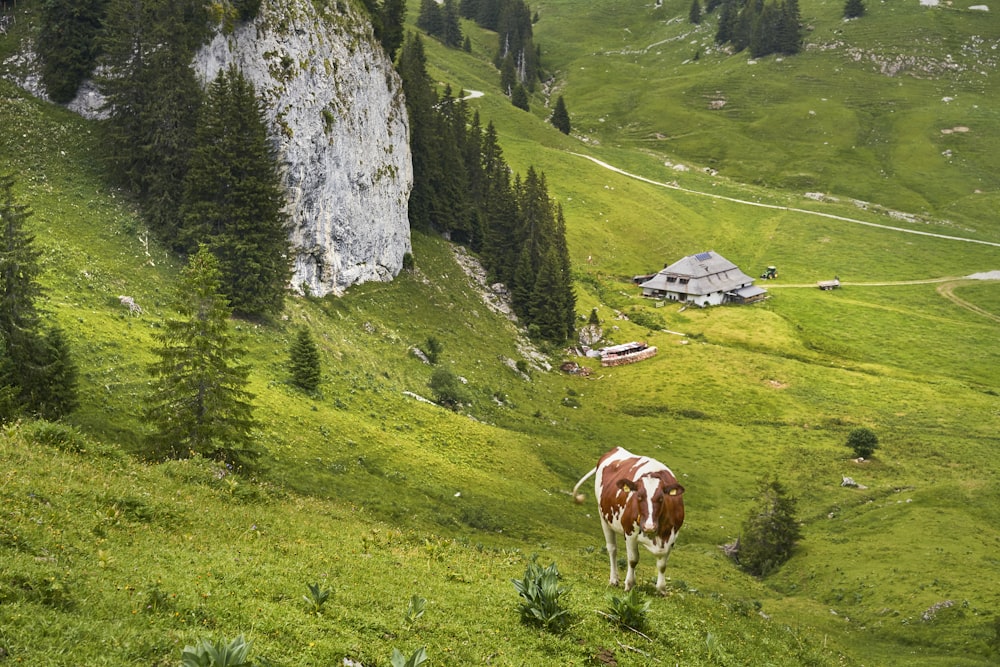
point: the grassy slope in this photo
(362, 482)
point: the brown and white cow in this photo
(640, 498)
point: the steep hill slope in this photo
(379, 496)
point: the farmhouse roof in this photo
(704, 273)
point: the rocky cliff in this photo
(336, 110)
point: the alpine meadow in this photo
(201, 467)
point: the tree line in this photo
(463, 188)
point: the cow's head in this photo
(659, 502)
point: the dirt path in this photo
(803, 211)
(947, 290)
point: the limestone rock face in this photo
(337, 116)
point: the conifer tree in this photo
(431, 18)
(854, 9)
(694, 13)
(560, 117)
(152, 97)
(233, 199)
(451, 30)
(304, 361)
(37, 374)
(770, 531)
(726, 30)
(200, 405)
(420, 102)
(393, 13)
(67, 44)
(519, 97)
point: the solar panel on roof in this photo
(703, 256)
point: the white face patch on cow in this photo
(650, 485)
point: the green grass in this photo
(379, 497)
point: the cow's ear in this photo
(624, 485)
(676, 490)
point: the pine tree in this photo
(560, 117)
(431, 18)
(519, 97)
(37, 374)
(67, 44)
(233, 198)
(393, 14)
(420, 102)
(451, 30)
(854, 9)
(304, 362)
(152, 96)
(770, 531)
(694, 14)
(726, 30)
(200, 404)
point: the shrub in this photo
(447, 388)
(629, 610)
(863, 441)
(770, 531)
(540, 593)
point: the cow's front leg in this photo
(611, 541)
(661, 569)
(632, 551)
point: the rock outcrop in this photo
(337, 115)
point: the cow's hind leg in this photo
(632, 551)
(611, 541)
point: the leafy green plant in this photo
(540, 593)
(415, 609)
(317, 598)
(418, 658)
(629, 610)
(863, 441)
(207, 653)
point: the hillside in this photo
(379, 496)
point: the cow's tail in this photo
(579, 497)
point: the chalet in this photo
(705, 279)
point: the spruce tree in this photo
(67, 44)
(304, 362)
(233, 198)
(431, 18)
(420, 101)
(694, 13)
(451, 30)
(770, 531)
(854, 9)
(393, 13)
(519, 97)
(200, 405)
(560, 117)
(152, 96)
(37, 374)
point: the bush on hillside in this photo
(863, 442)
(447, 388)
